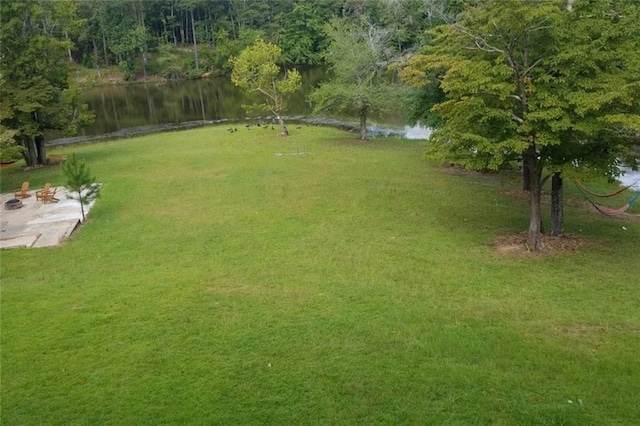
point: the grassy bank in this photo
(219, 283)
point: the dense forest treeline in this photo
(191, 38)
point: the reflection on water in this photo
(121, 107)
(131, 110)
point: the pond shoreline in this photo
(627, 176)
(374, 130)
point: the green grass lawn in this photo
(218, 283)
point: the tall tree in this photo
(515, 89)
(593, 107)
(358, 57)
(34, 74)
(256, 70)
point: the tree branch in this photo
(480, 42)
(536, 63)
(517, 119)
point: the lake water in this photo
(144, 108)
(630, 177)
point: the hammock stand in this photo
(605, 210)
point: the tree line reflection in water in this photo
(121, 107)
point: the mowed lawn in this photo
(219, 283)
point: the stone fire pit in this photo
(13, 204)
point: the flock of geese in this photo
(258, 124)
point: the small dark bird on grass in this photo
(299, 127)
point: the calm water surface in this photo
(133, 106)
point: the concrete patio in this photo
(38, 224)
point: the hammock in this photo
(614, 212)
(613, 194)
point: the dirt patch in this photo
(516, 245)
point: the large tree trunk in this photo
(363, 124)
(526, 180)
(557, 214)
(283, 128)
(195, 43)
(30, 153)
(534, 236)
(41, 149)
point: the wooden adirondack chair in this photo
(22, 192)
(41, 194)
(49, 196)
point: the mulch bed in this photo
(516, 245)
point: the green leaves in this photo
(34, 72)
(256, 70)
(548, 84)
(9, 149)
(360, 83)
(536, 72)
